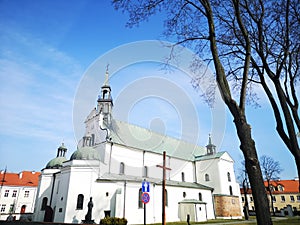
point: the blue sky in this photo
(48, 48)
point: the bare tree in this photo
(243, 180)
(249, 42)
(271, 170)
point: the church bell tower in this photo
(105, 102)
(211, 148)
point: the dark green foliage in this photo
(113, 221)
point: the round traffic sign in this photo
(145, 197)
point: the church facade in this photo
(115, 162)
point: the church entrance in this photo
(48, 217)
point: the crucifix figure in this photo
(164, 188)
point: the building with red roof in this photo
(17, 193)
(284, 193)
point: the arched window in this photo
(44, 203)
(80, 199)
(145, 171)
(184, 194)
(141, 204)
(166, 193)
(200, 196)
(228, 177)
(122, 168)
(182, 177)
(206, 177)
(230, 190)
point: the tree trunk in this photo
(247, 146)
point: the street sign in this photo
(145, 197)
(145, 186)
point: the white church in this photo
(112, 161)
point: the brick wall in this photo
(227, 206)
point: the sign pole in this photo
(144, 214)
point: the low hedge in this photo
(113, 221)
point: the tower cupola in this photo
(211, 148)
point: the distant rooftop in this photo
(24, 178)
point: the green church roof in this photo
(85, 153)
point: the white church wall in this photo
(182, 170)
(77, 178)
(208, 174)
(44, 190)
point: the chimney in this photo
(20, 175)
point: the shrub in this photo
(113, 221)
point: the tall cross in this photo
(164, 188)
(106, 75)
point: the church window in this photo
(228, 177)
(44, 203)
(206, 177)
(182, 177)
(230, 190)
(145, 171)
(184, 194)
(93, 140)
(200, 196)
(122, 168)
(106, 194)
(80, 199)
(141, 205)
(166, 194)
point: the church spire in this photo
(211, 148)
(106, 77)
(105, 102)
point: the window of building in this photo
(166, 193)
(6, 193)
(230, 190)
(243, 199)
(122, 168)
(182, 177)
(228, 177)
(298, 198)
(44, 203)
(145, 171)
(14, 193)
(206, 177)
(80, 199)
(140, 203)
(3, 206)
(26, 194)
(11, 208)
(280, 188)
(283, 198)
(274, 198)
(251, 199)
(272, 188)
(184, 194)
(292, 198)
(200, 196)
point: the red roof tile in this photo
(289, 186)
(24, 178)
